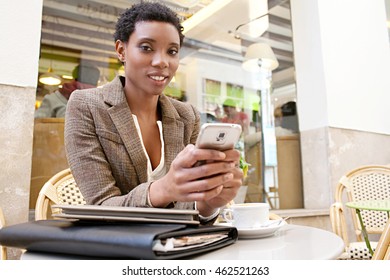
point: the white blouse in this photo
(159, 171)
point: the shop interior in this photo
(219, 34)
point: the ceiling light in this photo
(259, 56)
(67, 77)
(49, 78)
(203, 14)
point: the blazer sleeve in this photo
(196, 129)
(88, 162)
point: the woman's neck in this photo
(146, 109)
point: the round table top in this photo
(377, 205)
(291, 242)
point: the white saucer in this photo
(258, 232)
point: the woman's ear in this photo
(120, 50)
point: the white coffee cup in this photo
(247, 215)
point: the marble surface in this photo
(329, 153)
(16, 126)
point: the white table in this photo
(291, 242)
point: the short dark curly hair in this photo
(145, 11)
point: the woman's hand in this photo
(212, 184)
(230, 188)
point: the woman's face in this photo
(151, 57)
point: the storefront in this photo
(340, 94)
(211, 76)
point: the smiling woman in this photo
(128, 144)
(150, 58)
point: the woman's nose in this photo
(160, 60)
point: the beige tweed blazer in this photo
(104, 151)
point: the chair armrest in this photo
(337, 219)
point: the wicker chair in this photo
(382, 251)
(364, 183)
(59, 189)
(3, 250)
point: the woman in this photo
(130, 145)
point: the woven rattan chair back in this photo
(366, 183)
(59, 189)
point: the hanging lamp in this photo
(258, 56)
(49, 78)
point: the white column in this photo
(20, 29)
(20, 26)
(342, 64)
(342, 60)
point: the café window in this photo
(210, 76)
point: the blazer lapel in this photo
(122, 118)
(173, 128)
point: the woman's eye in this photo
(145, 48)
(173, 52)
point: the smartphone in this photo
(218, 136)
